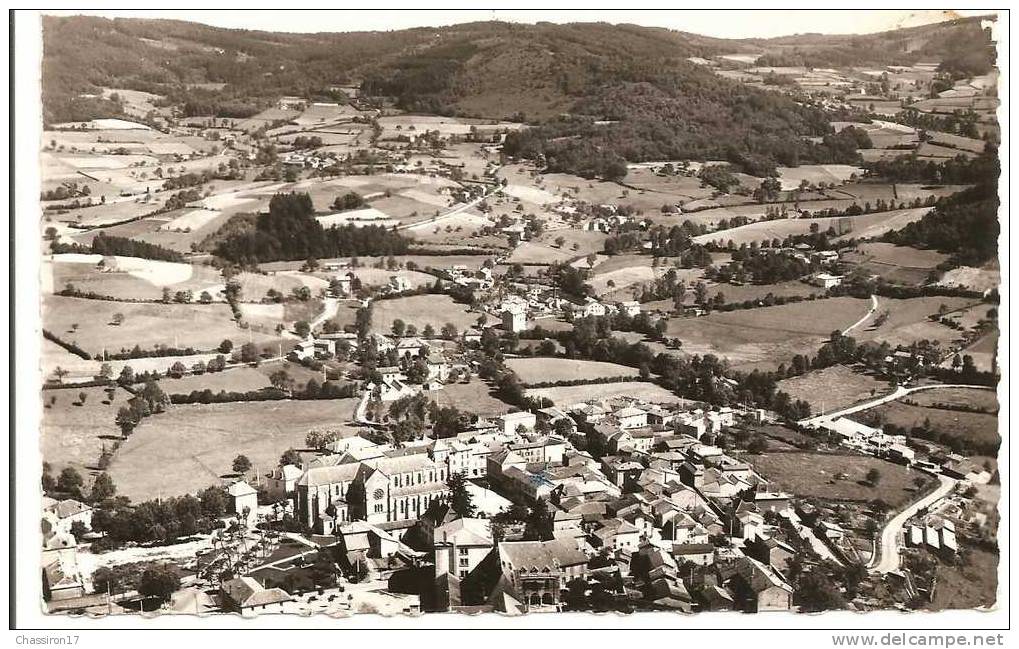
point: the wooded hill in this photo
(487, 69)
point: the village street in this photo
(887, 558)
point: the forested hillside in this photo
(568, 80)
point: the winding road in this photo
(330, 307)
(453, 211)
(888, 559)
(898, 393)
(873, 310)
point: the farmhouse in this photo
(244, 499)
(61, 515)
(292, 103)
(826, 280)
(398, 284)
(630, 308)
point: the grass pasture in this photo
(235, 379)
(421, 310)
(146, 325)
(190, 447)
(897, 264)
(864, 226)
(767, 336)
(967, 585)
(832, 388)
(909, 321)
(814, 475)
(543, 370)
(475, 396)
(792, 288)
(73, 433)
(962, 397)
(978, 428)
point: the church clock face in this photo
(378, 493)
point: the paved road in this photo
(888, 558)
(873, 310)
(898, 393)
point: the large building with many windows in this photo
(378, 490)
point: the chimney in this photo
(443, 558)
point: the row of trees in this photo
(110, 245)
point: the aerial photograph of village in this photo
(517, 317)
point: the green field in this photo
(813, 475)
(475, 397)
(832, 388)
(897, 264)
(189, 447)
(146, 325)
(542, 370)
(977, 428)
(908, 321)
(421, 310)
(72, 433)
(767, 336)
